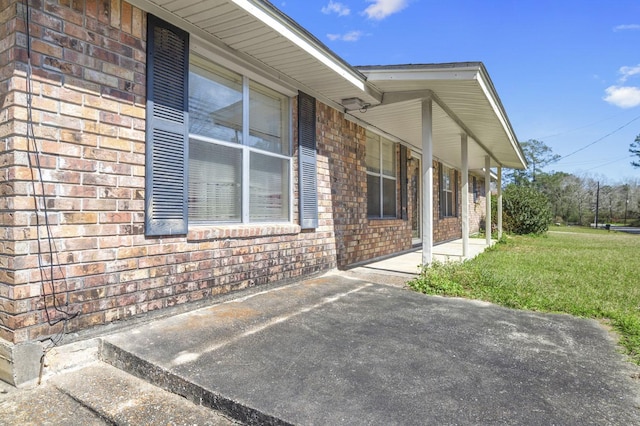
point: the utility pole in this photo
(597, 203)
(626, 204)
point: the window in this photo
(448, 192)
(381, 177)
(217, 144)
(239, 149)
(475, 190)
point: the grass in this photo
(579, 271)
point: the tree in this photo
(554, 186)
(635, 150)
(538, 155)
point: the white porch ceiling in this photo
(278, 49)
(463, 102)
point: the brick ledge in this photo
(214, 232)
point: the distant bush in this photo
(525, 210)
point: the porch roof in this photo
(273, 47)
(464, 101)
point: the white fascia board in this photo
(501, 115)
(303, 42)
(421, 75)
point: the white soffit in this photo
(258, 34)
(464, 102)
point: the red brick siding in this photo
(358, 238)
(445, 228)
(449, 228)
(88, 108)
(477, 209)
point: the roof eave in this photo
(462, 71)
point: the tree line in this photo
(573, 199)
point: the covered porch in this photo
(452, 114)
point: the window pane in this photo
(449, 204)
(215, 182)
(215, 104)
(269, 191)
(373, 196)
(388, 158)
(373, 153)
(389, 197)
(446, 178)
(268, 119)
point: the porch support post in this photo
(499, 202)
(427, 180)
(487, 192)
(464, 149)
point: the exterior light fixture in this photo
(351, 104)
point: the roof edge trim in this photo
(288, 29)
(492, 96)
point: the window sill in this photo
(383, 221)
(217, 232)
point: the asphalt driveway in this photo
(338, 350)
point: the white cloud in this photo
(630, 27)
(623, 96)
(350, 36)
(380, 9)
(629, 72)
(335, 7)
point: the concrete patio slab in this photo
(336, 350)
(409, 263)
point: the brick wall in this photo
(445, 228)
(88, 96)
(88, 86)
(449, 228)
(358, 238)
(477, 208)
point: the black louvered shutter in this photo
(167, 129)
(404, 196)
(308, 188)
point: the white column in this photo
(427, 181)
(464, 149)
(499, 202)
(487, 191)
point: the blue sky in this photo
(567, 71)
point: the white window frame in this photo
(382, 176)
(452, 192)
(199, 62)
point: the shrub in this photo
(525, 210)
(438, 279)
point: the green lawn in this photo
(584, 272)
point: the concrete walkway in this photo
(409, 263)
(340, 350)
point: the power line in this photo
(553, 135)
(600, 139)
(611, 162)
